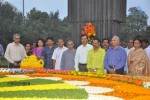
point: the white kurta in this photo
(57, 55)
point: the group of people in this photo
(111, 57)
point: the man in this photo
(48, 52)
(15, 52)
(33, 45)
(115, 58)
(27, 47)
(146, 47)
(123, 44)
(96, 57)
(128, 49)
(81, 54)
(1, 52)
(105, 44)
(57, 55)
(67, 60)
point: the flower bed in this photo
(13, 87)
(126, 87)
(137, 80)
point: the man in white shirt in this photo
(146, 47)
(57, 55)
(130, 46)
(15, 52)
(81, 54)
(128, 49)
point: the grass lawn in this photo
(61, 94)
(31, 81)
(71, 93)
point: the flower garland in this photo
(89, 31)
(32, 62)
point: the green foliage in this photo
(10, 19)
(37, 24)
(135, 26)
(3, 62)
(2, 76)
(32, 82)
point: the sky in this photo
(61, 5)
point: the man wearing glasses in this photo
(15, 52)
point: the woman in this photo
(27, 47)
(138, 60)
(39, 47)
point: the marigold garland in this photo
(4, 73)
(89, 31)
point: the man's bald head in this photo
(115, 41)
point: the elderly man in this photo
(15, 52)
(67, 60)
(115, 58)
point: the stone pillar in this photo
(106, 15)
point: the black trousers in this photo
(83, 68)
(119, 71)
(11, 65)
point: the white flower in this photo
(50, 78)
(146, 84)
(77, 83)
(96, 90)
(19, 76)
(102, 97)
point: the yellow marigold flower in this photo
(32, 62)
(38, 87)
(7, 79)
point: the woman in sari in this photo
(138, 60)
(39, 48)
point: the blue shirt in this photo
(1, 50)
(47, 55)
(115, 57)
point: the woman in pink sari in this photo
(138, 60)
(39, 48)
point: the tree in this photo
(136, 24)
(37, 24)
(41, 24)
(11, 20)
